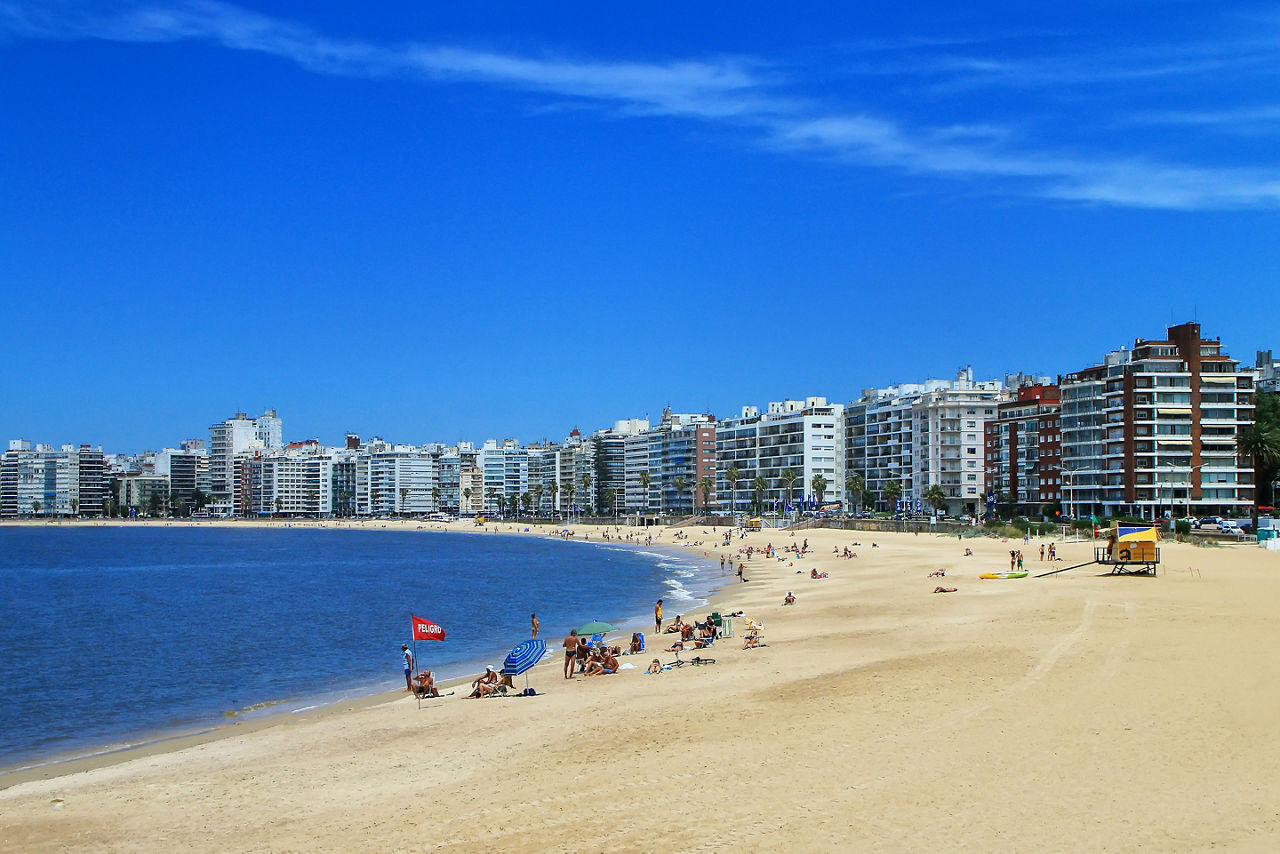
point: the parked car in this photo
(1209, 522)
(1229, 527)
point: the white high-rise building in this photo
(797, 436)
(233, 437)
(921, 435)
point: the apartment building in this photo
(39, 480)
(227, 440)
(921, 435)
(674, 455)
(1024, 451)
(1151, 432)
(799, 436)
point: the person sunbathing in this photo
(677, 626)
(815, 574)
(790, 600)
(938, 573)
(655, 667)
(637, 645)
(602, 664)
(485, 684)
(752, 639)
(677, 646)
(426, 686)
(968, 552)
(944, 590)
(686, 631)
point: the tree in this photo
(313, 502)
(732, 475)
(681, 487)
(645, 479)
(586, 489)
(35, 507)
(891, 492)
(435, 498)
(374, 495)
(568, 490)
(279, 503)
(178, 507)
(854, 487)
(466, 495)
(537, 498)
(1261, 444)
(610, 500)
(75, 506)
(819, 486)
(936, 497)
(758, 487)
(404, 495)
(707, 484)
(199, 499)
(788, 478)
(552, 489)
(154, 504)
(492, 495)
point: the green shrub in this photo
(1046, 529)
(992, 523)
(1183, 529)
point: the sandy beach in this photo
(1067, 713)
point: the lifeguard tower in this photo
(1130, 550)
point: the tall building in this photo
(1024, 451)
(923, 435)
(1151, 432)
(42, 481)
(675, 454)
(232, 437)
(800, 436)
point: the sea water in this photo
(116, 635)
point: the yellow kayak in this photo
(1003, 575)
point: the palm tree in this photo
(35, 507)
(552, 489)
(758, 486)
(645, 479)
(819, 486)
(312, 502)
(374, 495)
(681, 486)
(75, 506)
(502, 503)
(526, 501)
(537, 497)
(404, 493)
(936, 497)
(586, 488)
(854, 484)
(466, 494)
(435, 498)
(568, 490)
(610, 499)
(706, 484)
(732, 475)
(491, 494)
(891, 492)
(1262, 446)
(788, 478)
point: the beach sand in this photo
(1067, 713)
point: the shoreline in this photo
(1079, 711)
(238, 721)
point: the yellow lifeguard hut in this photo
(752, 524)
(1130, 549)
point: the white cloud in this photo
(740, 92)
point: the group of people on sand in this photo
(700, 635)
(581, 657)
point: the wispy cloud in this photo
(743, 93)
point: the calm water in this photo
(110, 635)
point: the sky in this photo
(460, 221)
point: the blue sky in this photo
(443, 221)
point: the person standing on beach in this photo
(657, 618)
(408, 666)
(570, 645)
(533, 624)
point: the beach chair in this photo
(724, 625)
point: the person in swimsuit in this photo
(426, 686)
(533, 623)
(657, 617)
(570, 645)
(655, 666)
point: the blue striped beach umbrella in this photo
(523, 657)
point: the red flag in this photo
(426, 630)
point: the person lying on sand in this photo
(968, 552)
(815, 574)
(676, 627)
(655, 666)
(938, 573)
(677, 646)
(790, 600)
(944, 590)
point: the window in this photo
(971, 450)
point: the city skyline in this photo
(435, 222)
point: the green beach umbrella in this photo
(596, 627)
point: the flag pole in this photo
(413, 639)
